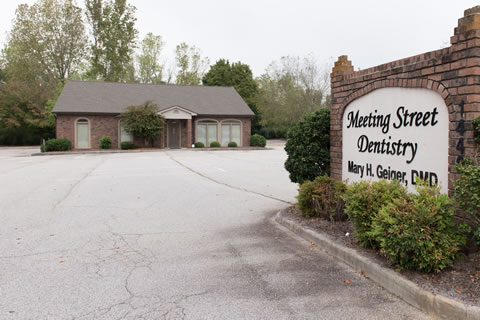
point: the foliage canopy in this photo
(114, 34)
(143, 121)
(239, 76)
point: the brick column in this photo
(189, 133)
(342, 67)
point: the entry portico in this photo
(178, 118)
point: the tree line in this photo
(54, 40)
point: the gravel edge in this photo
(436, 306)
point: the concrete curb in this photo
(62, 153)
(436, 306)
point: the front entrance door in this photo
(174, 134)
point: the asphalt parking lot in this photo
(166, 235)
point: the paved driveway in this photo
(165, 235)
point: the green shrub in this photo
(215, 144)
(467, 190)
(467, 194)
(476, 237)
(322, 197)
(305, 199)
(417, 232)
(127, 145)
(199, 144)
(58, 145)
(105, 142)
(363, 201)
(257, 140)
(308, 147)
(476, 129)
(232, 144)
(144, 121)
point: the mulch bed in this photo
(460, 282)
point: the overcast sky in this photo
(257, 32)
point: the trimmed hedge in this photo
(215, 144)
(257, 140)
(58, 145)
(232, 144)
(199, 144)
(105, 142)
(127, 145)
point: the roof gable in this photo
(109, 97)
(177, 112)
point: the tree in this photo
(190, 65)
(143, 121)
(112, 25)
(291, 88)
(308, 147)
(24, 104)
(47, 41)
(239, 76)
(149, 68)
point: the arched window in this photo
(231, 131)
(206, 131)
(125, 136)
(82, 129)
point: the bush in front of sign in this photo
(308, 147)
(322, 197)
(417, 232)
(363, 201)
(467, 194)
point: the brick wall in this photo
(453, 72)
(246, 126)
(107, 125)
(100, 125)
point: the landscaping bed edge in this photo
(436, 306)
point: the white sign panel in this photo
(396, 133)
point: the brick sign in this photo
(396, 133)
(411, 117)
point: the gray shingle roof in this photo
(108, 97)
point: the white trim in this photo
(206, 119)
(89, 133)
(236, 122)
(177, 113)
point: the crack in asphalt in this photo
(73, 186)
(226, 184)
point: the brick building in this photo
(87, 111)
